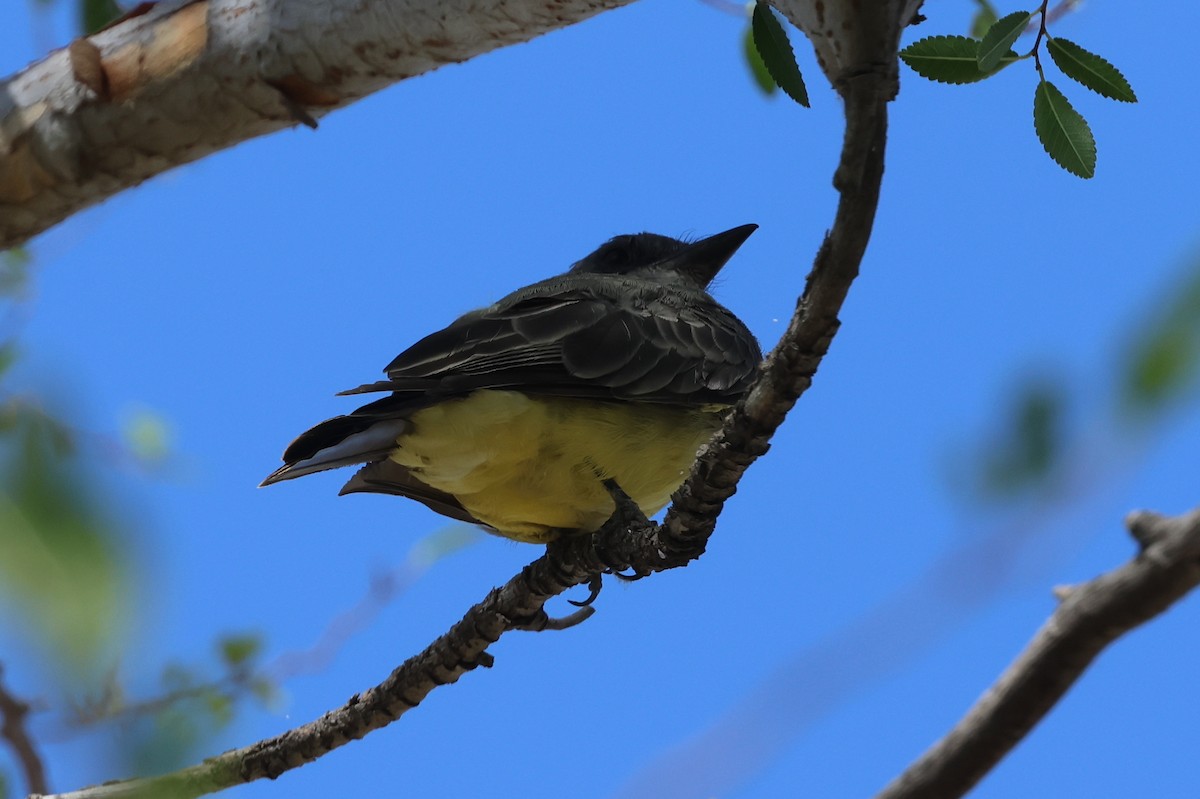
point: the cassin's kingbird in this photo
(512, 417)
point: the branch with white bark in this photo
(187, 78)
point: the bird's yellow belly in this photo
(531, 467)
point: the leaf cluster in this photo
(1062, 131)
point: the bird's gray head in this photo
(652, 255)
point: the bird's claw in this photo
(594, 586)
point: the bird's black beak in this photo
(701, 260)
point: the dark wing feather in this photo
(584, 337)
(587, 336)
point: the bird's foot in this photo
(542, 621)
(627, 514)
(594, 586)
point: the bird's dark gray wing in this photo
(605, 341)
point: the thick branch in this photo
(12, 729)
(191, 77)
(1091, 617)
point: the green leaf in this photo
(771, 41)
(177, 678)
(1163, 367)
(95, 14)
(63, 572)
(1029, 449)
(14, 272)
(238, 650)
(1163, 363)
(8, 356)
(442, 544)
(999, 39)
(984, 17)
(147, 436)
(950, 59)
(266, 691)
(1063, 132)
(1091, 70)
(758, 70)
(219, 707)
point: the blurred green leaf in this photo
(265, 691)
(1063, 131)
(177, 677)
(999, 39)
(8, 356)
(1163, 363)
(166, 740)
(238, 650)
(15, 265)
(62, 576)
(984, 18)
(1091, 70)
(950, 59)
(220, 708)
(443, 543)
(771, 41)
(147, 436)
(1030, 447)
(758, 70)
(95, 14)
(4, 791)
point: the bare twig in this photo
(12, 729)
(1091, 617)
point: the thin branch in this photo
(1091, 617)
(866, 85)
(515, 606)
(12, 729)
(241, 679)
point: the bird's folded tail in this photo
(340, 441)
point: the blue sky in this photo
(235, 296)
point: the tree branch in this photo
(12, 729)
(188, 78)
(1090, 617)
(866, 82)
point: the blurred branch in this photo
(12, 729)
(1090, 617)
(243, 677)
(1062, 9)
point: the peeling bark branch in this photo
(1090, 617)
(12, 729)
(191, 77)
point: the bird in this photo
(519, 416)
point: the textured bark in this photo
(1090, 617)
(187, 78)
(643, 547)
(866, 87)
